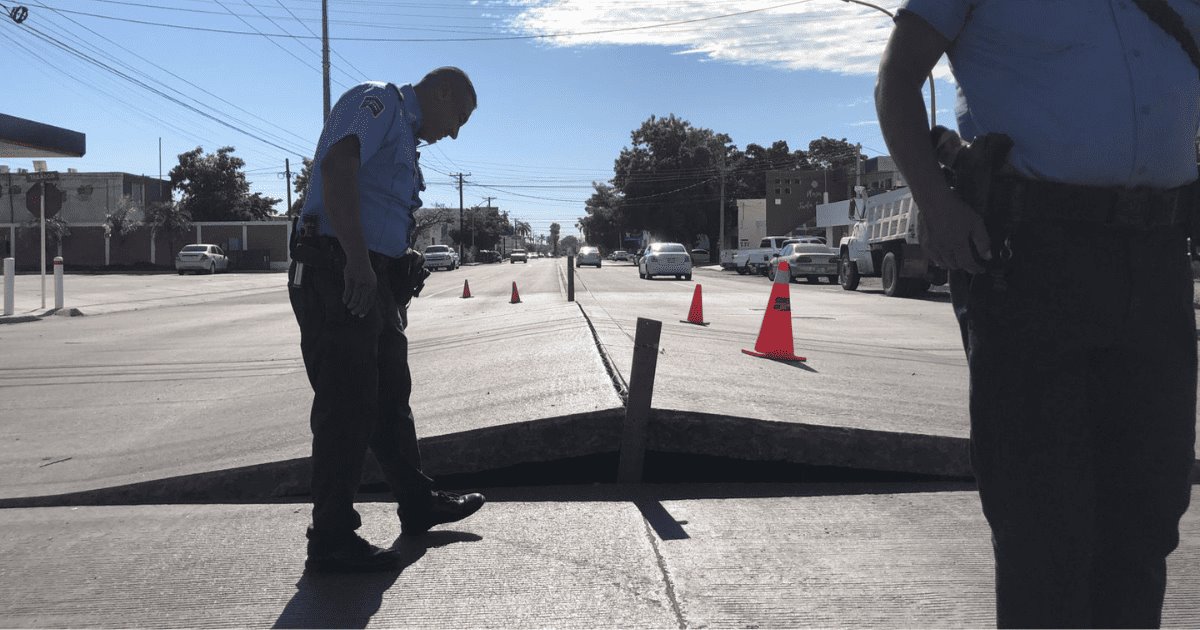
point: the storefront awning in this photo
(20, 138)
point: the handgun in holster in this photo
(307, 248)
(408, 276)
(975, 171)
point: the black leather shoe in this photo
(444, 507)
(347, 553)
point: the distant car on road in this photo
(201, 257)
(665, 259)
(700, 257)
(488, 256)
(588, 255)
(518, 254)
(441, 257)
(619, 254)
(807, 260)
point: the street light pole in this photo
(932, 91)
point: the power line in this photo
(445, 39)
(104, 66)
(184, 80)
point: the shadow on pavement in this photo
(326, 600)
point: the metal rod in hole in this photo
(641, 391)
(570, 278)
(58, 282)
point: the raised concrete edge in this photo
(562, 437)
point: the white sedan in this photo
(201, 257)
(808, 260)
(665, 259)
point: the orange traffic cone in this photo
(775, 335)
(696, 313)
(466, 289)
(516, 297)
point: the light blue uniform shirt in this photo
(385, 119)
(1091, 91)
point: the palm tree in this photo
(522, 229)
(554, 230)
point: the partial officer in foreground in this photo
(350, 283)
(1069, 280)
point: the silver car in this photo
(440, 257)
(808, 260)
(588, 255)
(665, 259)
(201, 258)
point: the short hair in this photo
(454, 76)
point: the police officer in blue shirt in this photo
(1069, 280)
(350, 283)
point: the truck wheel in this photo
(848, 273)
(742, 270)
(893, 284)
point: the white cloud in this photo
(827, 35)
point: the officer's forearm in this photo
(339, 180)
(903, 118)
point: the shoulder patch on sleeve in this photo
(373, 103)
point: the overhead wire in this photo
(107, 54)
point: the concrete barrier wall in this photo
(84, 248)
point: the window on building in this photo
(787, 190)
(776, 191)
(777, 181)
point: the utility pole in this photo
(723, 169)
(460, 177)
(287, 171)
(325, 54)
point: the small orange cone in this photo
(696, 313)
(775, 335)
(516, 297)
(466, 290)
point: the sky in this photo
(561, 83)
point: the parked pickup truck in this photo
(757, 259)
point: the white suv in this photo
(440, 257)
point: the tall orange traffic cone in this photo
(466, 289)
(775, 335)
(696, 313)
(516, 297)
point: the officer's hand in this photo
(949, 229)
(359, 294)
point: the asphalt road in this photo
(168, 375)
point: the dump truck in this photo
(884, 243)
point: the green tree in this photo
(669, 179)
(57, 229)
(522, 229)
(121, 222)
(482, 227)
(213, 187)
(170, 219)
(602, 225)
(555, 229)
(300, 187)
(832, 154)
(569, 244)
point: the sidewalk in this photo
(663, 556)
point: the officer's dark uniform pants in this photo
(1083, 413)
(358, 369)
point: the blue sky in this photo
(561, 83)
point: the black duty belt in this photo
(1033, 200)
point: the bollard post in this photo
(58, 283)
(9, 278)
(570, 278)
(641, 391)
